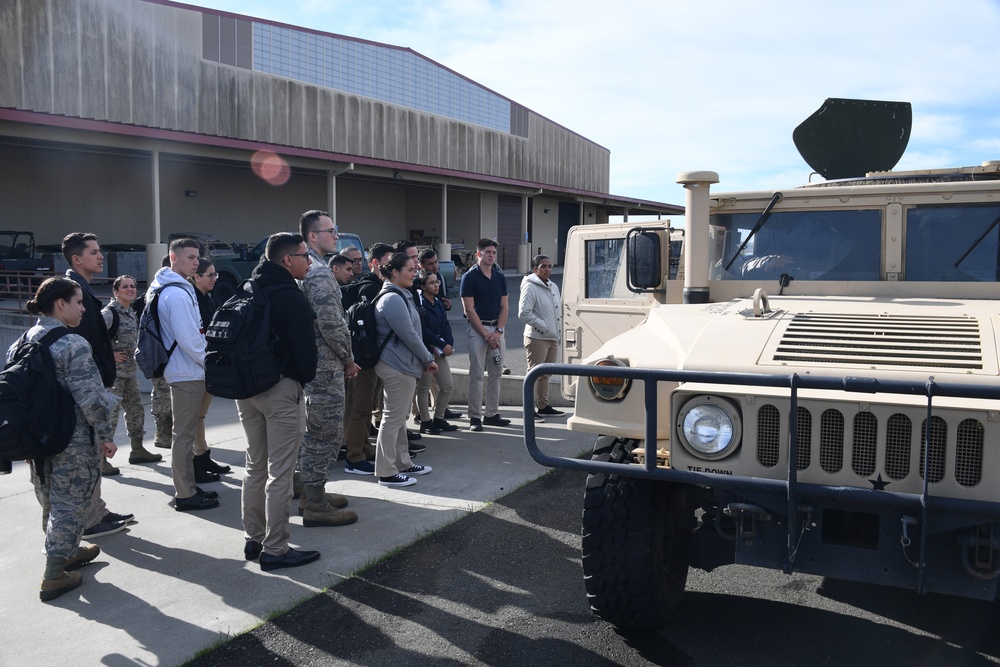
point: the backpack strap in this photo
(52, 335)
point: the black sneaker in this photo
(416, 470)
(429, 427)
(123, 518)
(451, 414)
(549, 411)
(538, 417)
(475, 424)
(396, 480)
(416, 449)
(411, 436)
(496, 420)
(194, 503)
(103, 528)
(443, 425)
(211, 495)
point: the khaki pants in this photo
(200, 443)
(392, 450)
(185, 404)
(360, 402)
(273, 421)
(424, 390)
(480, 363)
(539, 352)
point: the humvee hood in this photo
(834, 336)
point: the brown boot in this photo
(108, 470)
(318, 512)
(140, 454)
(337, 501)
(64, 583)
(82, 556)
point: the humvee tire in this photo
(634, 534)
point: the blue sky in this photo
(673, 86)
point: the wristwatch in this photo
(499, 329)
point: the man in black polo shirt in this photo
(484, 297)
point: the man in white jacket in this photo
(180, 322)
(539, 309)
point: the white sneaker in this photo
(417, 470)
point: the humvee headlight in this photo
(610, 389)
(709, 427)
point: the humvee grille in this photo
(882, 340)
(894, 459)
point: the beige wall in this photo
(544, 227)
(139, 63)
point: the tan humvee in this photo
(878, 298)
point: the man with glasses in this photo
(325, 400)
(272, 420)
(538, 308)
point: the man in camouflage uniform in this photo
(123, 324)
(324, 396)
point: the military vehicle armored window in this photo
(812, 387)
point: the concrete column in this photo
(156, 250)
(444, 248)
(331, 195)
(524, 249)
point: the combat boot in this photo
(213, 466)
(164, 428)
(64, 583)
(82, 556)
(202, 475)
(337, 501)
(140, 454)
(318, 512)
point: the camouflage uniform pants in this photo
(127, 388)
(325, 405)
(65, 495)
(160, 407)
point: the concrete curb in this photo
(511, 390)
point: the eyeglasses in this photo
(332, 230)
(298, 254)
(359, 260)
(211, 276)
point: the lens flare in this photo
(270, 167)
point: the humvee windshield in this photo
(953, 243)
(807, 245)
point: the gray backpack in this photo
(151, 355)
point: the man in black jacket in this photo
(272, 420)
(83, 254)
(363, 390)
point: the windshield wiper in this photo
(978, 241)
(756, 227)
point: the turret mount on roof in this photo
(850, 138)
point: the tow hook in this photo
(980, 547)
(745, 516)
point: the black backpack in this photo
(364, 340)
(240, 361)
(37, 416)
(151, 355)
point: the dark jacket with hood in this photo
(94, 331)
(291, 321)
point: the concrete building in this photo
(137, 118)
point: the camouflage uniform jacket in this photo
(127, 337)
(333, 338)
(77, 372)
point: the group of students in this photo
(309, 299)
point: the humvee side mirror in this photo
(643, 254)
